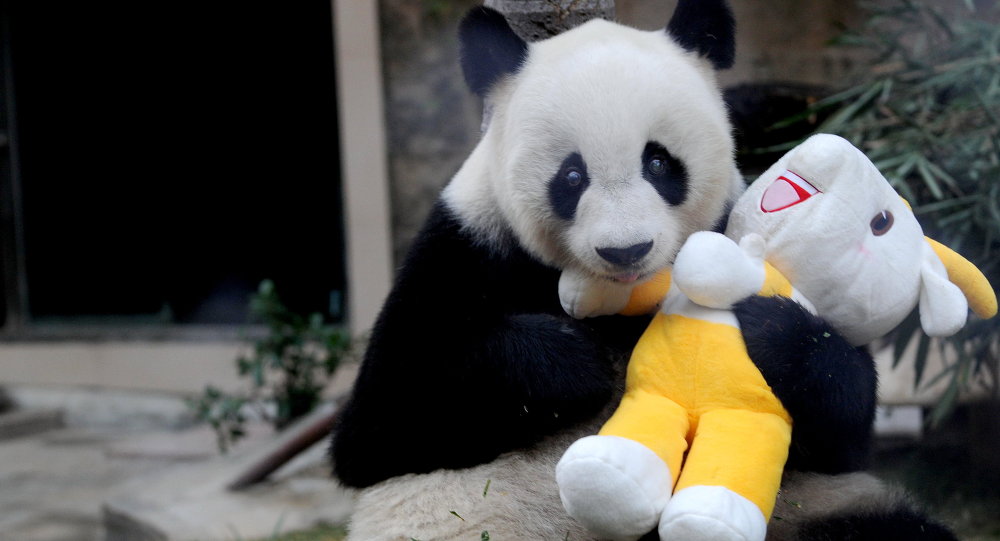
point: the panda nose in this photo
(625, 256)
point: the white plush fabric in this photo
(711, 513)
(715, 272)
(615, 486)
(862, 283)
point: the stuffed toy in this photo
(699, 441)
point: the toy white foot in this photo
(614, 486)
(711, 513)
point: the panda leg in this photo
(902, 523)
(848, 507)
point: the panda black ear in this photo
(706, 27)
(489, 49)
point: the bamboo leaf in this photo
(929, 180)
(920, 359)
(903, 335)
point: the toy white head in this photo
(839, 232)
(606, 146)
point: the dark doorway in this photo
(171, 156)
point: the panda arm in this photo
(827, 385)
(470, 357)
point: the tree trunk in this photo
(534, 20)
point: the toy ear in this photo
(706, 27)
(489, 49)
(943, 307)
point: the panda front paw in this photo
(615, 487)
(583, 295)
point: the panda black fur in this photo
(472, 354)
(475, 380)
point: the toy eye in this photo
(657, 166)
(573, 176)
(881, 223)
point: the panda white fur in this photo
(605, 148)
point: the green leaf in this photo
(946, 403)
(920, 359)
(929, 180)
(903, 335)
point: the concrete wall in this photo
(776, 40)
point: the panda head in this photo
(606, 146)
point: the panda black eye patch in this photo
(666, 173)
(568, 185)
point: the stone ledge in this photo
(191, 501)
(18, 423)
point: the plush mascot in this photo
(699, 441)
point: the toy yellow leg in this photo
(744, 451)
(618, 482)
(654, 421)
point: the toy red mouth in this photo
(787, 190)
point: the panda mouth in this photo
(626, 277)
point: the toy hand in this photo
(582, 295)
(714, 271)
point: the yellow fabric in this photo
(968, 278)
(756, 441)
(647, 296)
(692, 387)
(775, 283)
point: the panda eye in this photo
(881, 223)
(567, 186)
(657, 166)
(665, 173)
(573, 176)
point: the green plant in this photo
(287, 368)
(927, 113)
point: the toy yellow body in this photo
(691, 389)
(719, 403)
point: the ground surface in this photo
(954, 471)
(53, 484)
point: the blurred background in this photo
(181, 182)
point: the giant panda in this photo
(604, 148)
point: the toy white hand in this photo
(714, 271)
(753, 245)
(583, 295)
